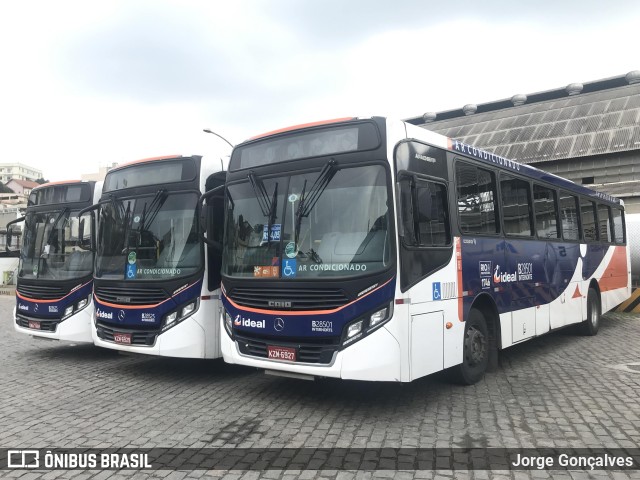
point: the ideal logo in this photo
(53, 309)
(247, 322)
(503, 277)
(148, 317)
(485, 269)
(23, 307)
(105, 315)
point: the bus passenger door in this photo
(214, 219)
(518, 280)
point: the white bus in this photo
(55, 272)
(372, 249)
(156, 286)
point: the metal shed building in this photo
(588, 133)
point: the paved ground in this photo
(556, 391)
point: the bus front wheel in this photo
(591, 325)
(475, 350)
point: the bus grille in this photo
(41, 292)
(130, 296)
(299, 298)
(45, 325)
(321, 353)
(144, 338)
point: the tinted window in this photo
(515, 206)
(150, 173)
(431, 219)
(60, 194)
(569, 216)
(545, 204)
(306, 143)
(588, 215)
(618, 225)
(476, 189)
(604, 223)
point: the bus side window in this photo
(618, 226)
(431, 215)
(406, 212)
(476, 192)
(569, 216)
(515, 206)
(588, 215)
(546, 209)
(604, 223)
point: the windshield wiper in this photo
(53, 226)
(261, 193)
(267, 205)
(126, 228)
(148, 216)
(306, 204)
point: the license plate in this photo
(281, 353)
(122, 338)
(34, 325)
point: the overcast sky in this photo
(87, 83)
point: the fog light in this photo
(354, 329)
(228, 322)
(68, 311)
(378, 317)
(188, 309)
(171, 318)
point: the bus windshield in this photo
(332, 223)
(148, 238)
(52, 246)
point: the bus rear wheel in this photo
(591, 325)
(475, 350)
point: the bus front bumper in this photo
(76, 328)
(375, 357)
(184, 340)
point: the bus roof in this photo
(144, 160)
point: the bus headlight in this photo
(365, 325)
(68, 311)
(188, 309)
(179, 314)
(228, 323)
(378, 317)
(354, 329)
(82, 303)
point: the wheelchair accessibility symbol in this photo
(289, 268)
(436, 291)
(132, 270)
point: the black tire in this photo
(591, 325)
(475, 350)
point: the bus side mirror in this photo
(82, 243)
(9, 237)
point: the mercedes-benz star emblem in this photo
(121, 315)
(35, 309)
(278, 324)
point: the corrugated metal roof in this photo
(591, 123)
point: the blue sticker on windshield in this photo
(132, 270)
(275, 233)
(289, 268)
